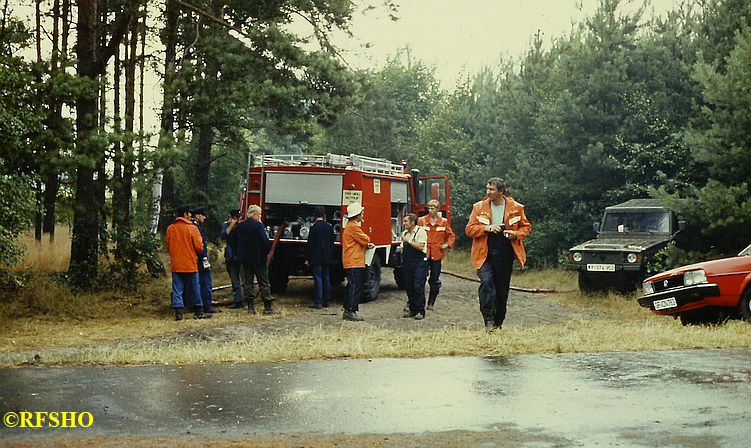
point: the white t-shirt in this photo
(418, 235)
(497, 212)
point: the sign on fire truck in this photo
(289, 188)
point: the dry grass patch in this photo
(370, 342)
(46, 255)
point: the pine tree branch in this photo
(211, 17)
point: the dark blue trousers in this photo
(495, 279)
(355, 282)
(185, 289)
(205, 284)
(321, 283)
(415, 274)
(434, 280)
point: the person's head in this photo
(355, 212)
(495, 188)
(320, 213)
(235, 213)
(183, 211)
(410, 221)
(433, 205)
(254, 212)
(199, 213)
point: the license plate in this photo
(601, 267)
(665, 303)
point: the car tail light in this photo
(694, 277)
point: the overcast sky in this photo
(459, 37)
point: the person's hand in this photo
(493, 228)
(444, 246)
(510, 234)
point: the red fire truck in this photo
(289, 188)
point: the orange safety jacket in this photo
(354, 242)
(184, 243)
(513, 219)
(438, 234)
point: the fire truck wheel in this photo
(373, 281)
(399, 278)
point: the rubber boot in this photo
(199, 314)
(268, 308)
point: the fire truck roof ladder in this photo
(353, 161)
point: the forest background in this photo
(623, 106)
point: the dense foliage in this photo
(19, 123)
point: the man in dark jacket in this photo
(319, 254)
(251, 246)
(233, 266)
(205, 279)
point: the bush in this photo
(142, 248)
(16, 216)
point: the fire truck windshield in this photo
(428, 189)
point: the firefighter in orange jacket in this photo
(354, 243)
(184, 244)
(440, 238)
(497, 226)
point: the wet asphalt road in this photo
(631, 399)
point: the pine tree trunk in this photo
(130, 112)
(84, 245)
(39, 196)
(203, 163)
(38, 214)
(206, 130)
(50, 170)
(162, 194)
(90, 155)
(52, 186)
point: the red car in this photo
(702, 291)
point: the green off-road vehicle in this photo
(629, 234)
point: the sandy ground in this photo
(457, 306)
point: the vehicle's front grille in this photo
(668, 283)
(603, 257)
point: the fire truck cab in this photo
(289, 188)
